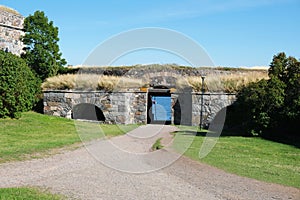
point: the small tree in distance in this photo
(42, 52)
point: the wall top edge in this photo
(99, 91)
(92, 91)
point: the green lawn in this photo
(248, 156)
(26, 193)
(34, 135)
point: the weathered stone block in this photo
(53, 103)
(47, 108)
(108, 106)
(121, 119)
(122, 108)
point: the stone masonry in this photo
(11, 29)
(212, 104)
(117, 107)
(131, 107)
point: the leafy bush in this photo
(18, 86)
(271, 107)
(259, 103)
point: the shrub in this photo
(18, 86)
(260, 103)
(271, 107)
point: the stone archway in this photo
(87, 111)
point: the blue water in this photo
(161, 108)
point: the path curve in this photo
(78, 175)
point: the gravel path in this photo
(87, 174)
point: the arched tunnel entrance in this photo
(87, 111)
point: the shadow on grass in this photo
(237, 124)
(201, 133)
(288, 140)
(292, 140)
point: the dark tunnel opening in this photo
(87, 111)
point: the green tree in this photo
(18, 86)
(278, 66)
(42, 52)
(272, 107)
(288, 71)
(291, 110)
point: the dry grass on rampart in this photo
(213, 83)
(224, 83)
(90, 82)
(10, 10)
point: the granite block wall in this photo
(11, 29)
(212, 104)
(117, 107)
(131, 107)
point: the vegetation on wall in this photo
(18, 86)
(213, 83)
(10, 10)
(230, 83)
(90, 82)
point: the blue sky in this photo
(233, 32)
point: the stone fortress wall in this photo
(131, 107)
(11, 29)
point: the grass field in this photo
(250, 157)
(33, 135)
(26, 193)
